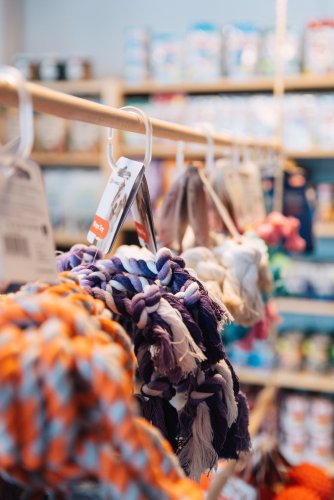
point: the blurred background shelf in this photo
(324, 229)
(259, 84)
(291, 305)
(68, 159)
(309, 154)
(287, 380)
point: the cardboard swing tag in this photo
(142, 215)
(27, 250)
(116, 201)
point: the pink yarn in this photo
(278, 229)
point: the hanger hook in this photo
(148, 136)
(26, 114)
(208, 129)
(180, 156)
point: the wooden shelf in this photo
(308, 307)
(77, 87)
(287, 380)
(258, 84)
(67, 159)
(324, 229)
(311, 153)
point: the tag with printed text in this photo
(27, 250)
(142, 215)
(116, 201)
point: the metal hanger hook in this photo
(26, 114)
(148, 136)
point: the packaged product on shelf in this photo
(50, 133)
(72, 197)
(136, 55)
(293, 446)
(84, 137)
(166, 58)
(294, 411)
(78, 68)
(300, 112)
(316, 349)
(241, 50)
(320, 450)
(27, 64)
(320, 428)
(321, 417)
(318, 47)
(325, 202)
(203, 46)
(288, 347)
(324, 131)
(291, 52)
(51, 67)
(306, 428)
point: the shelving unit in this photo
(293, 305)
(68, 159)
(222, 85)
(324, 229)
(114, 92)
(287, 380)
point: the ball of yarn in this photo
(297, 493)
(314, 478)
(65, 408)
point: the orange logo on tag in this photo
(99, 227)
(141, 231)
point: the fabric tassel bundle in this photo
(185, 205)
(66, 416)
(175, 327)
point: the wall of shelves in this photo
(114, 92)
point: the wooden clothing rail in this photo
(56, 103)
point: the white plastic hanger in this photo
(180, 165)
(22, 146)
(148, 137)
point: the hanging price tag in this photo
(116, 201)
(26, 244)
(142, 215)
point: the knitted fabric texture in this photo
(175, 328)
(65, 408)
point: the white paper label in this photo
(27, 250)
(115, 203)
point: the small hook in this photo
(26, 115)
(180, 156)
(207, 128)
(148, 137)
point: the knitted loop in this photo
(190, 293)
(65, 412)
(144, 304)
(78, 255)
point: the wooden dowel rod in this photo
(56, 103)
